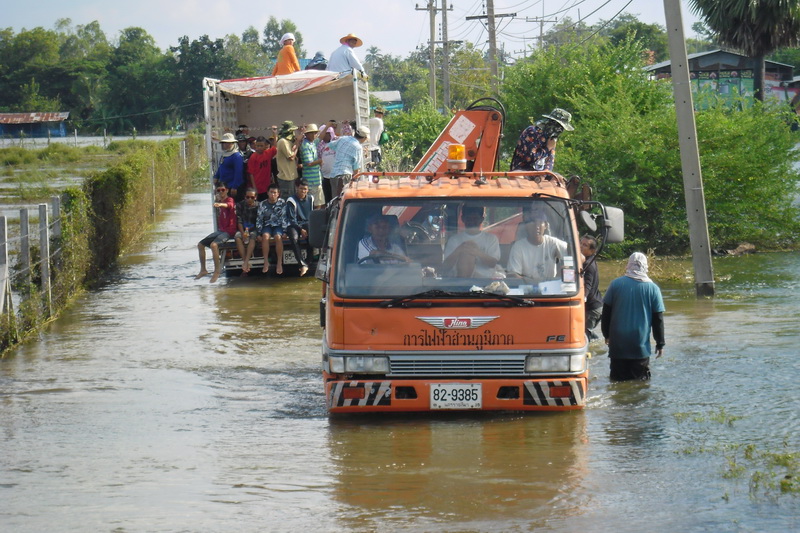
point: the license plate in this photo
(290, 259)
(456, 396)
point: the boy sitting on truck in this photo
(246, 213)
(271, 223)
(298, 212)
(226, 227)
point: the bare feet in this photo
(245, 267)
(214, 277)
(202, 273)
(266, 268)
(303, 270)
(279, 268)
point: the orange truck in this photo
(413, 324)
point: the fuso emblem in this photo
(456, 322)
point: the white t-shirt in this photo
(538, 263)
(375, 130)
(487, 243)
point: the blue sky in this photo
(394, 26)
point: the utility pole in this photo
(431, 9)
(446, 59)
(690, 156)
(491, 16)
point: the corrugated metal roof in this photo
(32, 118)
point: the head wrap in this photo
(637, 267)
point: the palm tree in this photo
(756, 27)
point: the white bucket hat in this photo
(286, 37)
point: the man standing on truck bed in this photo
(286, 158)
(349, 158)
(631, 308)
(287, 59)
(536, 147)
(343, 59)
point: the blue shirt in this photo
(632, 306)
(343, 59)
(308, 154)
(271, 215)
(349, 155)
(231, 171)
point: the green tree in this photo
(416, 129)
(653, 37)
(756, 27)
(470, 78)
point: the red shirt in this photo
(260, 167)
(226, 217)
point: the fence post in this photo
(153, 176)
(25, 245)
(44, 247)
(4, 285)
(183, 154)
(55, 202)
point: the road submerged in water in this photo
(160, 403)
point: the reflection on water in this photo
(471, 470)
(160, 403)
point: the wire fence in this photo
(29, 267)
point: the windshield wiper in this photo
(438, 293)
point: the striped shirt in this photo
(308, 154)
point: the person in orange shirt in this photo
(287, 59)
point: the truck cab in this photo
(406, 329)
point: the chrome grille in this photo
(431, 365)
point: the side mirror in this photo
(317, 227)
(614, 224)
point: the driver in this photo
(379, 245)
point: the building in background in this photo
(33, 124)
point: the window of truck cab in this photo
(399, 247)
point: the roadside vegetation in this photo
(102, 217)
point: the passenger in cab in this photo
(537, 256)
(246, 215)
(271, 223)
(379, 245)
(343, 59)
(298, 212)
(226, 227)
(287, 59)
(472, 252)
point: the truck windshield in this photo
(517, 246)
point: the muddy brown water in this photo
(160, 403)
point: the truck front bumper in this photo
(406, 395)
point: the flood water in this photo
(160, 403)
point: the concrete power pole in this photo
(431, 9)
(490, 17)
(492, 46)
(690, 156)
(445, 59)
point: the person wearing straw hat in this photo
(286, 158)
(287, 59)
(536, 147)
(311, 163)
(230, 170)
(343, 59)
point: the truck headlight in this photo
(358, 364)
(555, 363)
